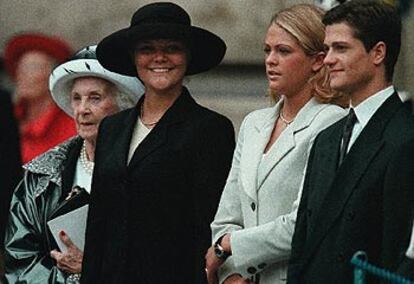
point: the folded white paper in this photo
(74, 225)
(410, 251)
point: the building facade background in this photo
(235, 88)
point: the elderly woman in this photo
(88, 93)
(160, 166)
(254, 224)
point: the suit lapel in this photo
(361, 154)
(122, 140)
(158, 135)
(287, 140)
(253, 149)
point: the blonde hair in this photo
(304, 23)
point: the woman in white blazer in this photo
(254, 223)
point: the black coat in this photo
(357, 206)
(405, 177)
(10, 163)
(149, 221)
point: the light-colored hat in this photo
(85, 64)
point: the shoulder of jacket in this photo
(207, 115)
(259, 115)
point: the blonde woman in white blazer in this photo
(254, 223)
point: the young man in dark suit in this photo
(350, 201)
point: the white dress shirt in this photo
(366, 109)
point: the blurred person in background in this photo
(162, 165)
(87, 92)
(254, 224)
(29, 59)
(10, 170)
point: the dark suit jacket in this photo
(356, 206)
(149, 221)
(405, 178)
(10, 164)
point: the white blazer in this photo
(259, 202)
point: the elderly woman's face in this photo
(161, 64)
(91, 100)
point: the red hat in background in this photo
(22, 43)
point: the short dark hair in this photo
(372, 21)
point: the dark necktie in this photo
(346, 135)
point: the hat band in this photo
(165, 19)
(84, 53)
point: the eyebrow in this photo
(93, 93)
(278, 45)
(336, 43)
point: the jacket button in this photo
(251, 270)
(253, 206)
(262, 265)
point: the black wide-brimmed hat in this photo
(161, 20)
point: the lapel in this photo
(69, 169)
(254, 145)
(121, 139)
(361, 154)
(178, 112)
(286, 142)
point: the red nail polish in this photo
(62, 233)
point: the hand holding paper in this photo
(71, 260)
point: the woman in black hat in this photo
(160, 166)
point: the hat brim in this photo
(62, 77)
(206, 49)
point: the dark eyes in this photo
(144, 49)
(94, 98)
(340, 47)
(283, 50)
(336, 47)
(172, 48)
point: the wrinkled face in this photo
(32, 75)
(288, 68)
(350, 65)
(161, 64)
(91, 99)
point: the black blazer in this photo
(10, 163)
(149, 221)
(405, 177)
(357, 206)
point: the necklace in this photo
(285, 121)
(86, 164)
(141, 115)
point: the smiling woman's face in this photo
(91, 99)
(161, 64)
